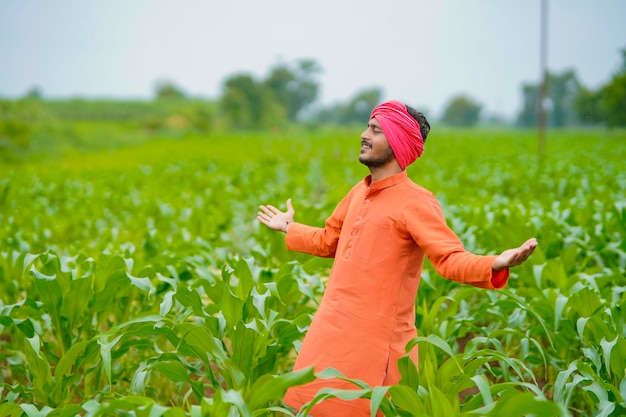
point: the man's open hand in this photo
(274, 218)
(513, 257)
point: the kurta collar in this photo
(385, 182)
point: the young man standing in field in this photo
(378, 235)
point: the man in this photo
(378, 235)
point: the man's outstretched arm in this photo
(318, 241)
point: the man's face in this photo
(375, 150)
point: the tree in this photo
(355, 110)
(529, 115)
(588, 106)
(561, 95)
(608, 103)
(462, 111)
(248, 104)
(33, 93)
(167, 90)
(562, 92)
(18, 121)
(294, 87)
(360, 106)
(614, 97)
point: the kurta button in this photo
(367, 201)
(353, 233)
(359, 218)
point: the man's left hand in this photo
(514, 257)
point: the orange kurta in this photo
(378, 235)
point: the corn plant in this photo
(135, 281)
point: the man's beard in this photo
(378, 161)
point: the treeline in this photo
(288, 95)
(571, 103)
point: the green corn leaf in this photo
(245, 282)
(10, 410)
(51, 295)
(407, 399)
(435, 341)
(29, 258)
(189, 298)
(235, 398)
(216, 406)
(70, 410)
(278, 411)
(306, 289)
(379, 394)
(330, 373)
(76, 301)
(171, 281)
(522, 304)
(143, 284)
(69, 361)
(440, 404)
(519, 367)
(26, 327)
(607, 348)
(513, 403)
(205, 346)
(39, 368)
(408, 371)
(105, 298)
(176, 372)
(259, 301)
(244, 343)
(166, 304)
(270, 388)
(593, 355)
(580, 326)
(432, 314)
(560, 303)
(554, 274)
(232, 307)
(604, 406)
(201, 339)
(92, 407)
(153, 320)
(105, 353)
(32, 411)
(584, 302)
(138, 383)
(483, 387)
(173, 412)
(618, 358)
(172, 370)
(326, 393)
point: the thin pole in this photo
(544, 80)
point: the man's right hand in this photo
(274, 218)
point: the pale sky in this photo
(418, 51)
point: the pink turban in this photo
(401, 130)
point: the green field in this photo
(135, 280)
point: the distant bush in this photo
(17, 119)
(148, 113)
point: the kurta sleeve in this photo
(315, 240)
(444, 249)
